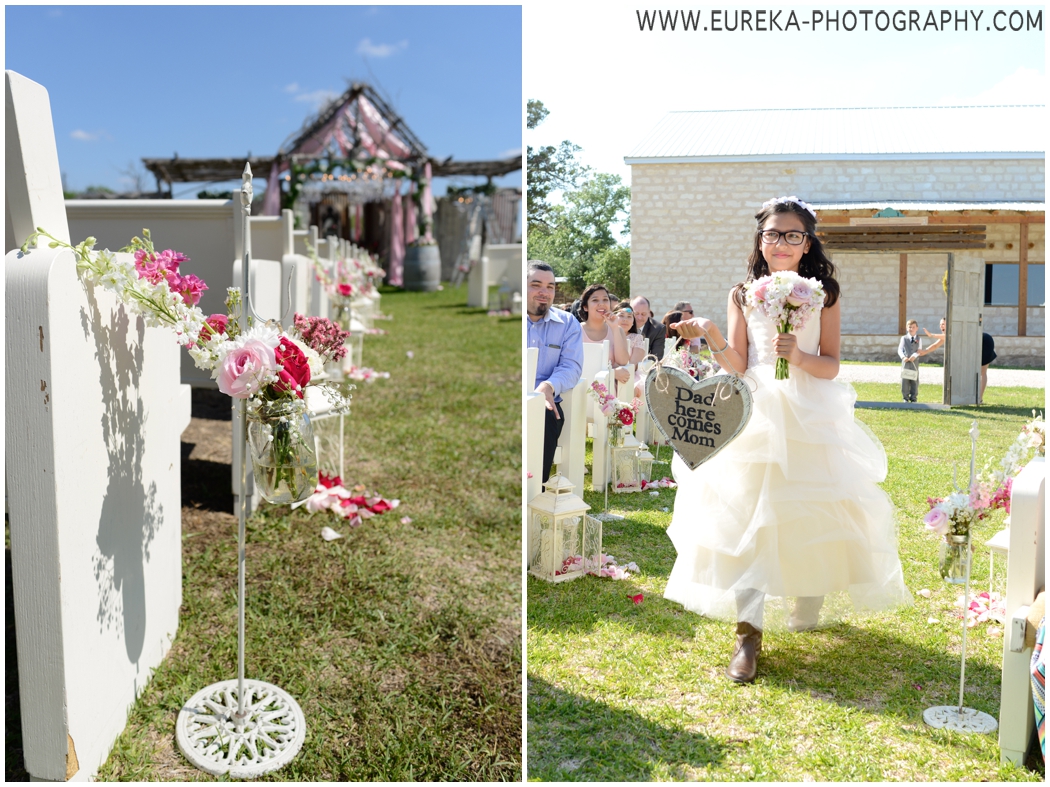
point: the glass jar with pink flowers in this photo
(284, 457)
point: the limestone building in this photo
(895, 190)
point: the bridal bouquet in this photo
(789, 300)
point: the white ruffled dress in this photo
(790, 508)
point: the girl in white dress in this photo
(792, 507)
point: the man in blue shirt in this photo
(559, 338)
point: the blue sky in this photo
(128, 82)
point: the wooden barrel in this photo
(422, 272)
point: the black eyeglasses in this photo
(793, 237)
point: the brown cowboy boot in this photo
(743, 666)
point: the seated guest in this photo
(671, 333)
(625, 315)
(647, 326)
(600, 324)
(686, 309)
(558, 337)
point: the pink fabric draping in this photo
(428, 203)
(380, 129)
(319, 141)
(272, 199)
(396, 270)
(411, 227)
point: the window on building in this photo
(1001, 284)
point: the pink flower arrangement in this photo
(610, 406)
(788, 299)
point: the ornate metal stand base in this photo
(214, 740)
(948, 717)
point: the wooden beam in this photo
(895, 248)
(1022, 284)
(963, 217)
(902, 302)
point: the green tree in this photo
(612, 267)
(550, 169)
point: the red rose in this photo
(346, 289)
(294, 370)
(626, 417)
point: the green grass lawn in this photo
(618, 691)
(401, 642)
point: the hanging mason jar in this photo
(284, 458)
(955, 559)
(341, 312)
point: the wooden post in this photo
(1022, 282)
(902, 301)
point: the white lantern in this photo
(645, 463)
(570, 541)
(626, 472)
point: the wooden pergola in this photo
(937, 231)
(358, 124)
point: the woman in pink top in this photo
(600, 324)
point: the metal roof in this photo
(1015, 131)
(868, 205)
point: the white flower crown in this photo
(796, 200)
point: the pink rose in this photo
(800, 294)
(759, 293)
(346, 289)
(936, 521)
(245, 368)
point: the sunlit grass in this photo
(619, 691)
(401, 641)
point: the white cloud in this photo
(368, 49)
(511, 152)
(292, 88)
(1023, 86)
(84, 136)
(318, 98)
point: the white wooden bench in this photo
(1026, 576)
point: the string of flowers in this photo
(789, 300)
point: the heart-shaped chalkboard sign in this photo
(698, 417)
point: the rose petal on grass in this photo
(638, 598)
(932, 620)
(995, 631)
(925, 592)
(406, 520)
(410, 354)
(329, 535)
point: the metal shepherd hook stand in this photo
(953, 717)
(243, 728)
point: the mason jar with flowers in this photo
(263, 365)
